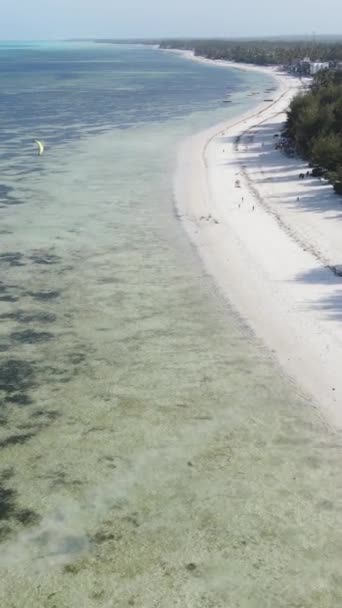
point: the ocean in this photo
(152, 453)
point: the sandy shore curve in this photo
(271, 241)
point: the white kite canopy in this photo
(40, 146)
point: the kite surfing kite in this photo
(40, 146)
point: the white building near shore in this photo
(317, 66)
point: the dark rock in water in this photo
(6, 474)
(29, 336)
(44, 295)
(13, 258)
(10, 511)
(5, 190)
(16, 439)
(102, 537)
(72, 569)
(5, 532)
(41, 257)
(19, 399)
(55, 374)
(38, 317)
(8, 298)
(4, 287)
(15, 375)
(7, 502)
(26, 317)
(12, 200)
(6, 198)
(50, 414)
(76, 358)
(27, 517)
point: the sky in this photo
(56, 19)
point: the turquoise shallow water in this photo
(152, 453)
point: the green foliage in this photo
(260, 52)
(327, 151)
(314, 126)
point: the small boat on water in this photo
(268, 99)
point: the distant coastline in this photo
(187, 54)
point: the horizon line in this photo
(169, 37)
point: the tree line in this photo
(261, 52)
(314, 126)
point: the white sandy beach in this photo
(273, 244)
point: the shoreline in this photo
(271, 256)
(249, 67)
